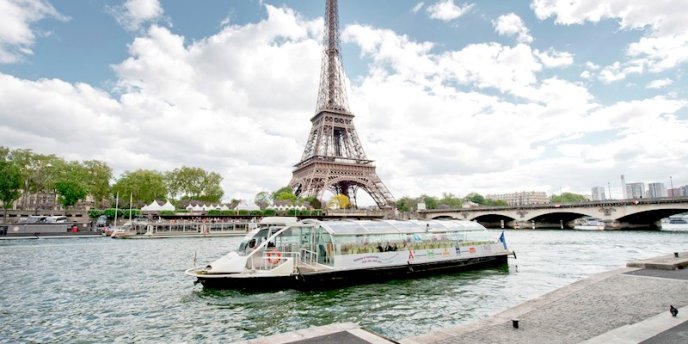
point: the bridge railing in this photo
(590, 204)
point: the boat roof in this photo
(360, 227)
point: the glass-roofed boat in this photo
(310, 254)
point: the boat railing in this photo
(308, 256)
(272, 259)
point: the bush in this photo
(244, 213)
(94, 213)
(292, 212)
(269, 212)
(167, 212)
(110, 213)
(134, 213)
(305, 213)
(214, 212)
(256, 213)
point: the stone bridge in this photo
(616, 214)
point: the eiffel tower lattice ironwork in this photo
(334, 158)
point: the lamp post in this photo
(671, 182)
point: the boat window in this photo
(478, 236)
(289, 240)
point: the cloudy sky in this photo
(449, 96)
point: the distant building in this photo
(675, 192)
(521, 198)
(598, 193)
(655, 190)
(684, 190)
(635, 190)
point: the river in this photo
(103, 290)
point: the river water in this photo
(103, 290)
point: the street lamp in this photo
(671, 182)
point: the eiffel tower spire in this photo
(332, 94)
(333, 158)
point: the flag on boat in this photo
(502, 240)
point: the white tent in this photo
(167, 206)
(247, 205)
(154, 206)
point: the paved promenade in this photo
(628, 305)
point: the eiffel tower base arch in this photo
(340, 178)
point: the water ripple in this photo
(104, 290)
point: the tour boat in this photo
(677, 223)
(590, 224)
(312, 254)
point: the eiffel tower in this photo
(334, 159)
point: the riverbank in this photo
(627, 305)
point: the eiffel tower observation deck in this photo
(334, 159)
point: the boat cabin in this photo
(347, 244)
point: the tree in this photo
(194, 183)
(475, 198)
(406, 204)
(430, 202)
(284, 194)
(10, 184)
(98, 176)
(568, 197)
(263, 199)
(450, 201)
(70, 183)
(144, 186)
(313, 201)
(338, 202)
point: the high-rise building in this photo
(598, 193)
(635, 190)
(675, 192)
(623, 187)
(655, 190)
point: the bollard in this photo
(675, 254)
(514, 323)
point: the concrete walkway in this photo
(628, 305)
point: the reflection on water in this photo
(103, 290)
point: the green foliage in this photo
(69, 183)
(313, 201)
(10, 184)
(94, 213)
(430, 202)
(110, 213)
(317, 212)
(406, 204)
(284, 194)
(167, 212)
(144, 186)
(194, 183)
(214, 212)
(475, 198)
(134, 213)
(292, 212)
(244, 212)
(269, 212)
(568, 197)
(256, 213)
(450, 201)
(97, 179)
(228, 212)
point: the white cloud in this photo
(16, 35)
(418, 7)
(133, 14)
(664, 46)
(446, 10)
(659, 83)
(485, 117)
(554, 59)
(512, 25)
